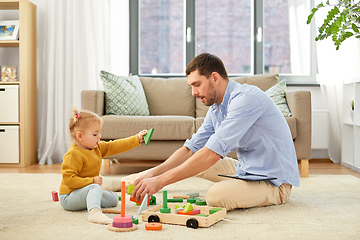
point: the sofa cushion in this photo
(170, 96)
(198, 122)
(262, 81)
(124, 95)
(165, 127)
(277, 94)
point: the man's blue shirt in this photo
(249, 121)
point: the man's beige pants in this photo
(233, 193)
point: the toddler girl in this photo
(81, 184)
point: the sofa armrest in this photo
(93, 100)
(299, 102)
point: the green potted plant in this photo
(341, 22)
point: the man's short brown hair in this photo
(207, 63)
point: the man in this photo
(242, 118)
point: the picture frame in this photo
(8, 74)
(9, 30)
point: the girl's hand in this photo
(141, 135)
(98, 180)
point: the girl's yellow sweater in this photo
(80, 166)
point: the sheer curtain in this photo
(299, 35)
(76, 46)
(335, 67)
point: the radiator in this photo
(319, 129)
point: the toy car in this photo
(205, 219)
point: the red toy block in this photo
(195, 211)
(55, 196)
(139, 202)
(185, 213)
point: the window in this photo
(161, 37)
(251, 37)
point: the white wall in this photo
(317, 99)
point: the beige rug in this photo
(323, 207)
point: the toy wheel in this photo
(192, 223)
(153, 218)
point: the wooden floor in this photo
(317, 166)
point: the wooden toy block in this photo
(184, 213)
(130, 189)
(188, 207)
(191, 221)
(200, 202)
(193, 195)
(179, 206)
(148, 135)
(55, 196)
(116, 211)
(196, 211)
(179, 209)
(119, 197)
(214, 210)
(180, 196)
(143, 205)
(165, 208)
(175, 200)
(135, 221)
(138, 202)
(120, 219)
(153, 226)
(192, 200)
(153, 200)
(191, 212)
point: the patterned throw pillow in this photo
(277, 94)
(124, 95)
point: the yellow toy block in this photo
(130, 189)
(188, 207)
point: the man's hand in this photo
(98, 180)
(145, 186)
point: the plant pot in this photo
(352, 115)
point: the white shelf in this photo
(19, 107)
(350, 156)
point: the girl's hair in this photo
(80, 119)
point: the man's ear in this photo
(78, 135)
(216, 76)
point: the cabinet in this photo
(350, 153)
(18, 127)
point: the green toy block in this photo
(130, 189)
(214, 210)
(153, 200)
(202, 215)
(200, 202)
(135, 221)
(178, 206)
(188, 207)
(175, 200)
(148, 135)
(192, 200)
